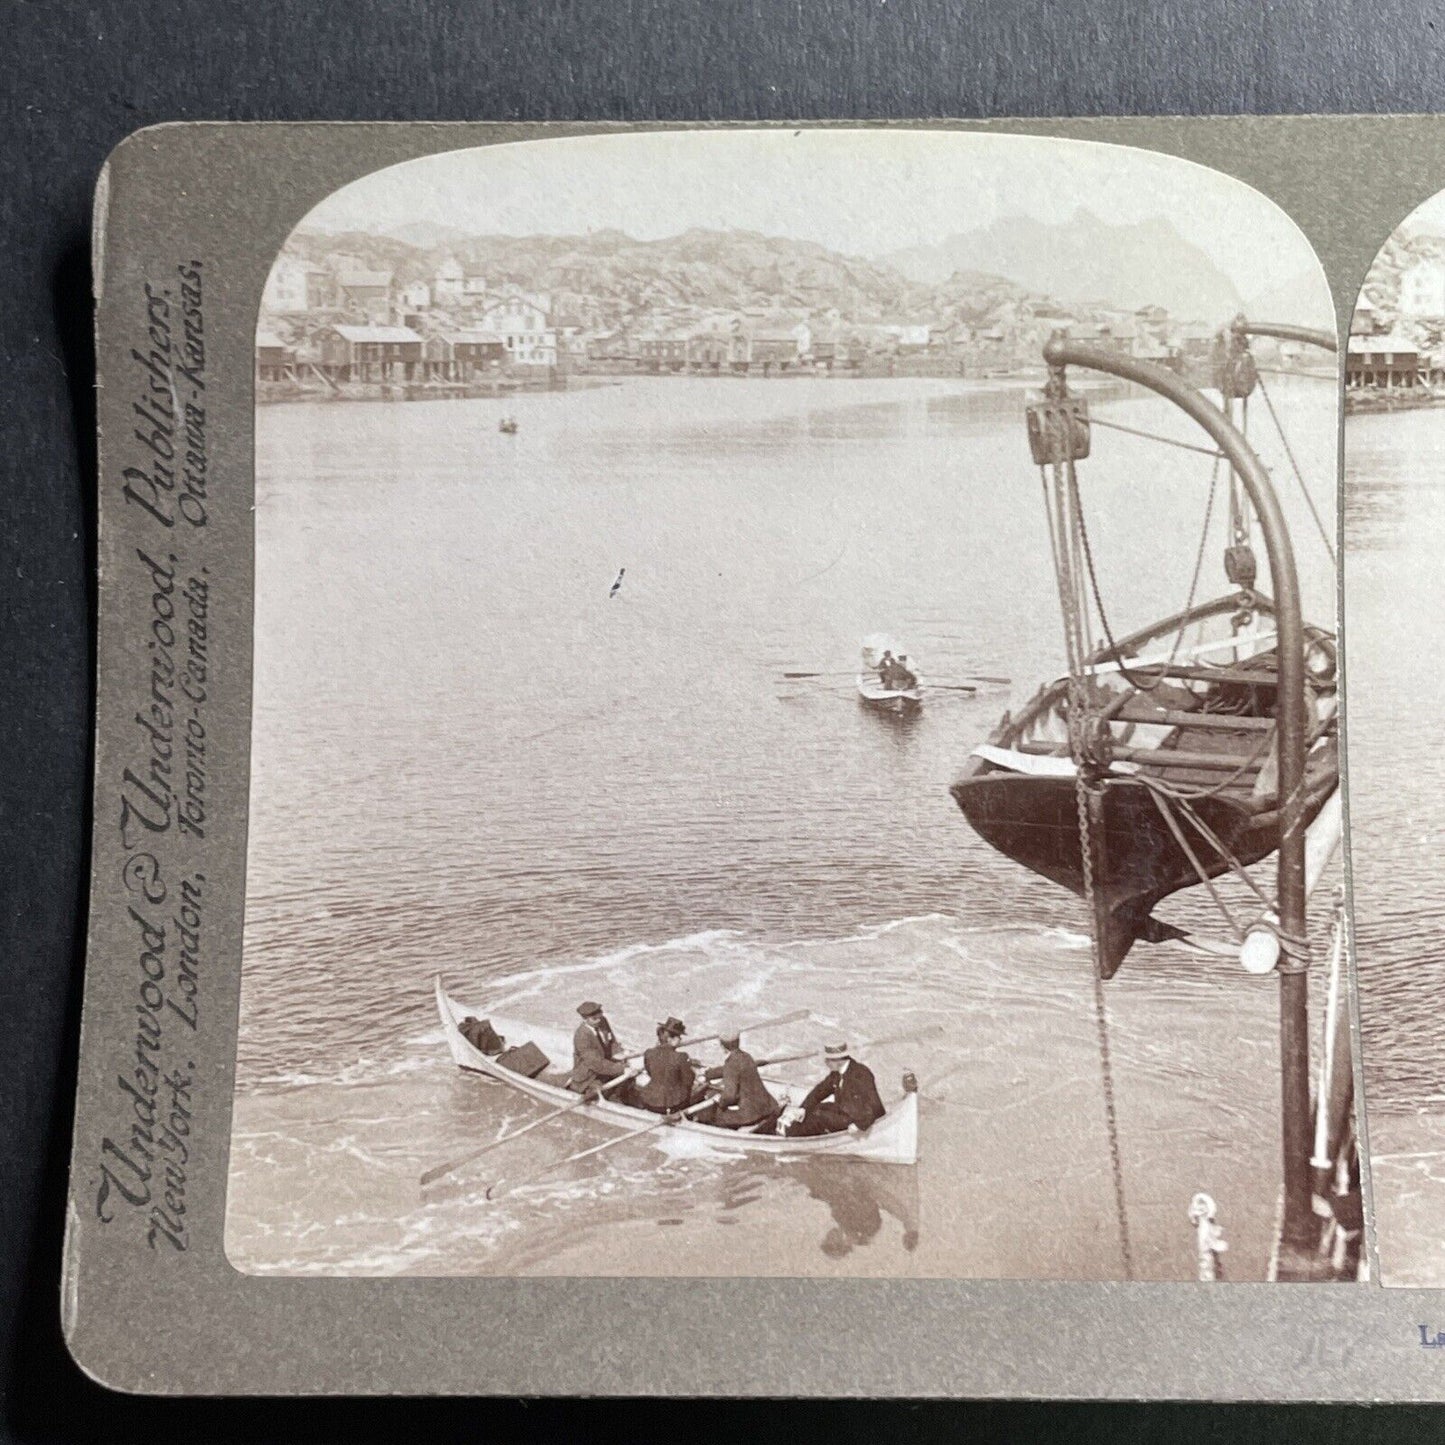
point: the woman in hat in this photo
(846, 1099)
(670, 1073)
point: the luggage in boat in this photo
(526, 1059)
(480, 1034)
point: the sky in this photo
(861, 192)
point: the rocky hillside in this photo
(607, 278)
(1382, 285)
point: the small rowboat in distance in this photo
(892, 1140)
(872, 693)
(872, 690)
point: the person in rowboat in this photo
(671, 1075)
(886, 665)
(846, 1099)
(743, 1099)
(904, 676)
(596, 1055)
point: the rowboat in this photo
(1185, 723)
(873, 694)
(872, 691)
(892, 1140)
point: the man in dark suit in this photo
(846, 1099)
(596, 1054)
(670, 1076)
(743, 1100)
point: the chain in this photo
(1101, 1024)
(1071, 522)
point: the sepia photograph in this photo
(1394, 472)
(795, 721)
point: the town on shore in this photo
(337, 321)
(1396, 353)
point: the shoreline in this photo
(1370, 403)
(276, 393)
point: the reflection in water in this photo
(897, 726)
(857, 1195)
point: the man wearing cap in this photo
(743, 1099)
(846, 1099)
(670, 1078)
(595, 1053)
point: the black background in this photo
(74, 79)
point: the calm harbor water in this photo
(469, 761)
(1395, 599)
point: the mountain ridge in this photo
(608, 279)
(1086, 260)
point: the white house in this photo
(449, 280)
(416, 296)
(294, 285)
(1422, 289)
(523, 327)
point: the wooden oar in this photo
(599, 1148)
(935, 686)
(436, 1173)
(791, 1018)
(926, 1032)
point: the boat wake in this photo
(325, 1159)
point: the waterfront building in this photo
(523, 327)
(660, 351)
(610, 348)
(368, 353)
(1383, 362)
(778, 346)
(275, 361)
(463, 354)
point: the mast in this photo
(1296, 1249)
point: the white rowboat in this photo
(892, 1140)
(872, 691)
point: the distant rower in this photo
(617, 585)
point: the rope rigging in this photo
(1067, 542)
(1298, 474)
(1059, 426)
(1212, 774)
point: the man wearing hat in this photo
(596, 1054)
(670, 1076)
(846, 1099)
(743, 1099)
